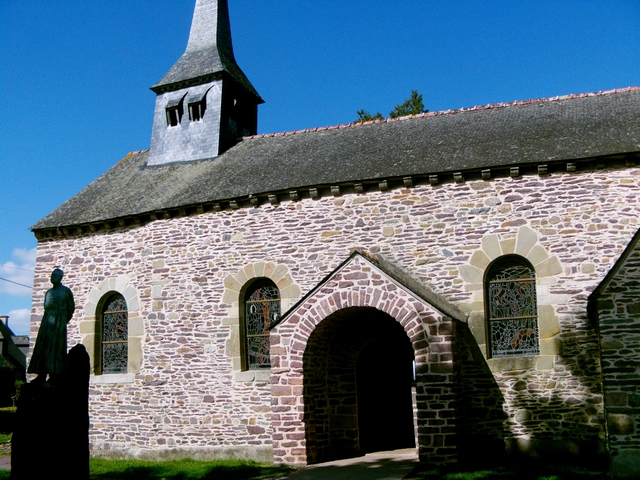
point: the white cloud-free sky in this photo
(75, 77)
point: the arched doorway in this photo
(358, 367)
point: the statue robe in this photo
(50, 351)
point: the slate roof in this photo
(195, 67)
(521, 133)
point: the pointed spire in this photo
(209, 51)
(210, 28)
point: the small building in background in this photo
(12, 361)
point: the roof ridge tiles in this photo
(489, 106)
(131, 154)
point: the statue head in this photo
(56, 276)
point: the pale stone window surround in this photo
(233, 288)
(547, 268)
(88, 326)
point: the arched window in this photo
(511, 307)
(261, 307)
(113, 351)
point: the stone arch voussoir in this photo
(233, 287)
(88, 328)
(406, 310)
(547, 267)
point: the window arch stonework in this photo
(91, 331)
(547, 269)
(234, 289)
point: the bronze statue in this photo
(50, 351)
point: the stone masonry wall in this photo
(619, 320)
(186, 398)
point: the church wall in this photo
(188, 397)
(619, 320)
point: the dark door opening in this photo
(358, 374)
(384, 374)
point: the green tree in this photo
(364, 116)
(413, 105)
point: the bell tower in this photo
(204, 103)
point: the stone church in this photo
(463, 282)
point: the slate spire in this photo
(210, 28)
(205, 103)
(209, 50)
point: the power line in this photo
(17, 268)
(16, 283)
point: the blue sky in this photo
(75, 78)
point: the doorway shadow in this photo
(358, 368)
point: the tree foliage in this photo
(411, 106)
(364, 116)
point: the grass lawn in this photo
(102, 469)
(525, 471)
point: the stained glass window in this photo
(114, 335)
(261, 309)
(512, 307)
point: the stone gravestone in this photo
(51, 437)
